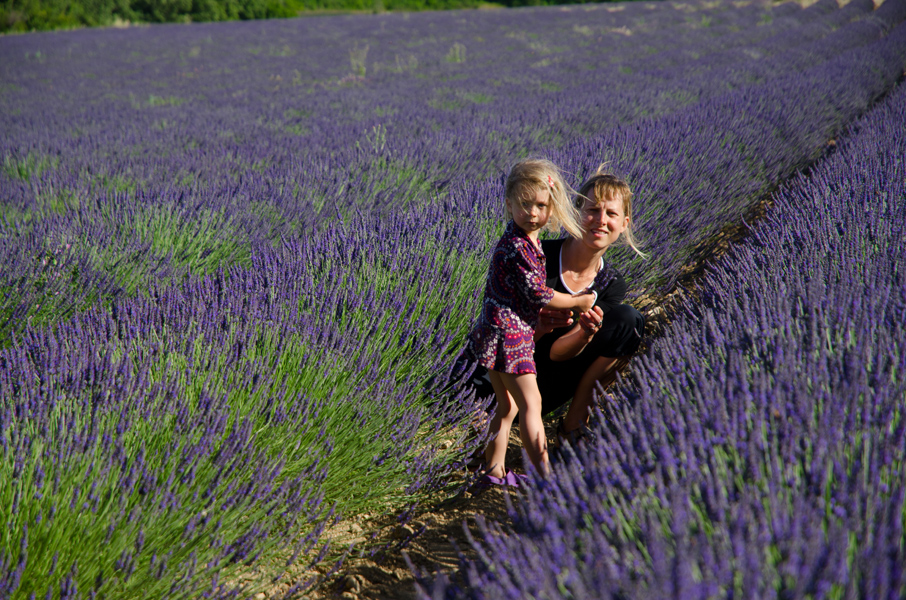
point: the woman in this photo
(573, 357)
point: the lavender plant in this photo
(182, 426)
(759, 449)
(234, 262)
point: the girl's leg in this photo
(602, 371)
(501, 422)
(524, 391)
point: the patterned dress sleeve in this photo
(529, 277)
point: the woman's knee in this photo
(621, 332)
(628, 318)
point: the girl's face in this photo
(603, 222)
(531, 214)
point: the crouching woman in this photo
(575, 353)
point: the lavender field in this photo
(760, 450)
(237, 257)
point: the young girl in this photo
(502, 340)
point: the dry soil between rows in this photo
(433, 540)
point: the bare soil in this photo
(433, 540)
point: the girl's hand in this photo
(551, 319)
(590, 321)
(584, 302)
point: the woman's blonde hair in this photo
(533, 174)
(603, 186)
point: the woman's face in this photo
(603, 222)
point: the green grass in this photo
(339, 418)
(28, 167)
(164, 100)
(148, 244)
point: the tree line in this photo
(36, 15)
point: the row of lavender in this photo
(157, 160)
(194, 417)
(760, 451)
(167, 446)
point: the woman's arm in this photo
(550, 319)
(573, 342)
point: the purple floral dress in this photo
(503, 338)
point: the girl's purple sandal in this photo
(510, 479)
(513, 479)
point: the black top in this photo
(608, 283)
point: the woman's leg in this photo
(602, 371)
(524, 391)
(501, 422)
(619, 337)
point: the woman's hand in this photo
(585, 302)
(574, 342)
(551, 319)
(590, 321)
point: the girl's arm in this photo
(559, 305)
(572, 343)
(529, 282)
(582, 302)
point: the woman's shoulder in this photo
(552, 246)
(610, 284)
(551, 249)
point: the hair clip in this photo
(550, 181)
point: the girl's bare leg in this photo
(524, 391)
(602, 371)
(501, 422)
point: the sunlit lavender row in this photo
(235, 256)
(184, 148)
(179, 435)
(760, 449)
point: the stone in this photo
(402, 532)
(353, 583)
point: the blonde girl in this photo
(503, 339)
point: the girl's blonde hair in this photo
(603, 186)
(533, 174)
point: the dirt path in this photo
(432, 540)
(388, 576)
